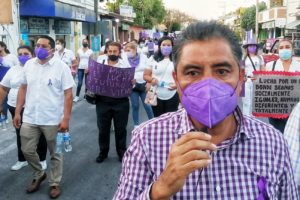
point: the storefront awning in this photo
(267, 25)
(51, 8)
(293, 24)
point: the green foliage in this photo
(248, 16)
(176, 26)
(148, 12)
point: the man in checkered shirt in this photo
(211, 151)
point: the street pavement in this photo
(83, 178)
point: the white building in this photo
(9, 33)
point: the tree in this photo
(148, 12)
(249, 16)
(175, 19)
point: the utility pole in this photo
(256, 20)
(96, 4)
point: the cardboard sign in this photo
(6, 12)
(275, 93)
(109, 81)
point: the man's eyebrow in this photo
(219, 64)
(192, 66)
(222, 64)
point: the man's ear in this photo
(174, 76)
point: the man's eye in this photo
(192, 73)
(222, 72)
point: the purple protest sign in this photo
(109, 81)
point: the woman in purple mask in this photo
(252, 62)
(159, 75)
(139, 61)
(10, 85)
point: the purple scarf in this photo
(134, 61)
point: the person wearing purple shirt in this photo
(207, 149)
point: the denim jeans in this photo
(80, 75)
(135, 103)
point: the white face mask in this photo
(58, 47)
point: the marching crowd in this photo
(197, 143)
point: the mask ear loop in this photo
(238, 83)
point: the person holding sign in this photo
(208, 149)
(292, 135)
(252, 62)
(159, 75)
(110, 108)
(139, 62)
(285, 63)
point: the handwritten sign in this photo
(275, 93)
(108, 80)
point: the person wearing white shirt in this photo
(159, 74)
(109, 108)
(284, 63)
(46, 92)
(83, 56)
(139, 61)
(7, 60)
(10, 85)
(66, 55)
(292, 135)
(252, 62)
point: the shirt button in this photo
(218, 188)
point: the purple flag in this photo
(109, 81)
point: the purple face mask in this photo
(166, 50)
(41, 53)
(23, 59)
(252, 49)
(209, 101)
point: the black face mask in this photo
(85, 45)
(113, 57)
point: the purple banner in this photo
(109, 81)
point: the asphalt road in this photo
(83, 178)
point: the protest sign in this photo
(108, 80)
(275, 93)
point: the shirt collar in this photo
(243, 132)
(50, 62)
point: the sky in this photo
(207, 9)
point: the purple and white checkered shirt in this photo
(257, 153)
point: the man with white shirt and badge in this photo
(66, 55)
(47, 94)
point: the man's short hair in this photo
(62, 41)
(116, 44)
(204, 31)
(50, 39)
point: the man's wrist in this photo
(157, 193)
